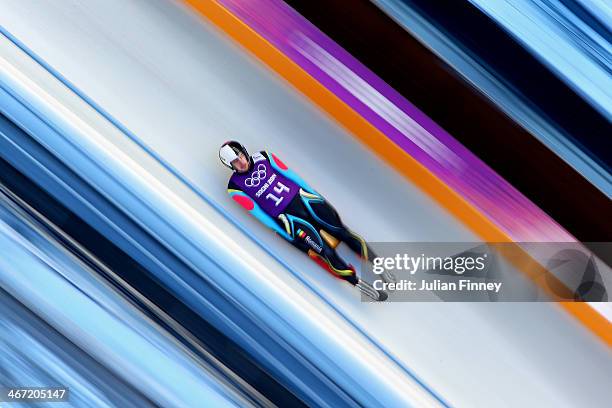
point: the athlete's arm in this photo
(255, 210)
(282, 168)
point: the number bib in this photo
(268, 188)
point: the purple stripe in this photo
(398, 119)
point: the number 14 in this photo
(279, 189)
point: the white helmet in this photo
(229, 152)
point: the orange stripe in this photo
(394, 155)
(596, 323)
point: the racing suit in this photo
(280, 199)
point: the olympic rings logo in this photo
(256, 177)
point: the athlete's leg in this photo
(327, 216)
(307, 238)
(305, 235)
(327, 257)
(338, 266)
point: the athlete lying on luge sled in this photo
(280, 199)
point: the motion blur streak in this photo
(579, 53)
(495, 87)
(125, 348)
(476, 188)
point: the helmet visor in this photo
(234, 156)
(227, 155)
